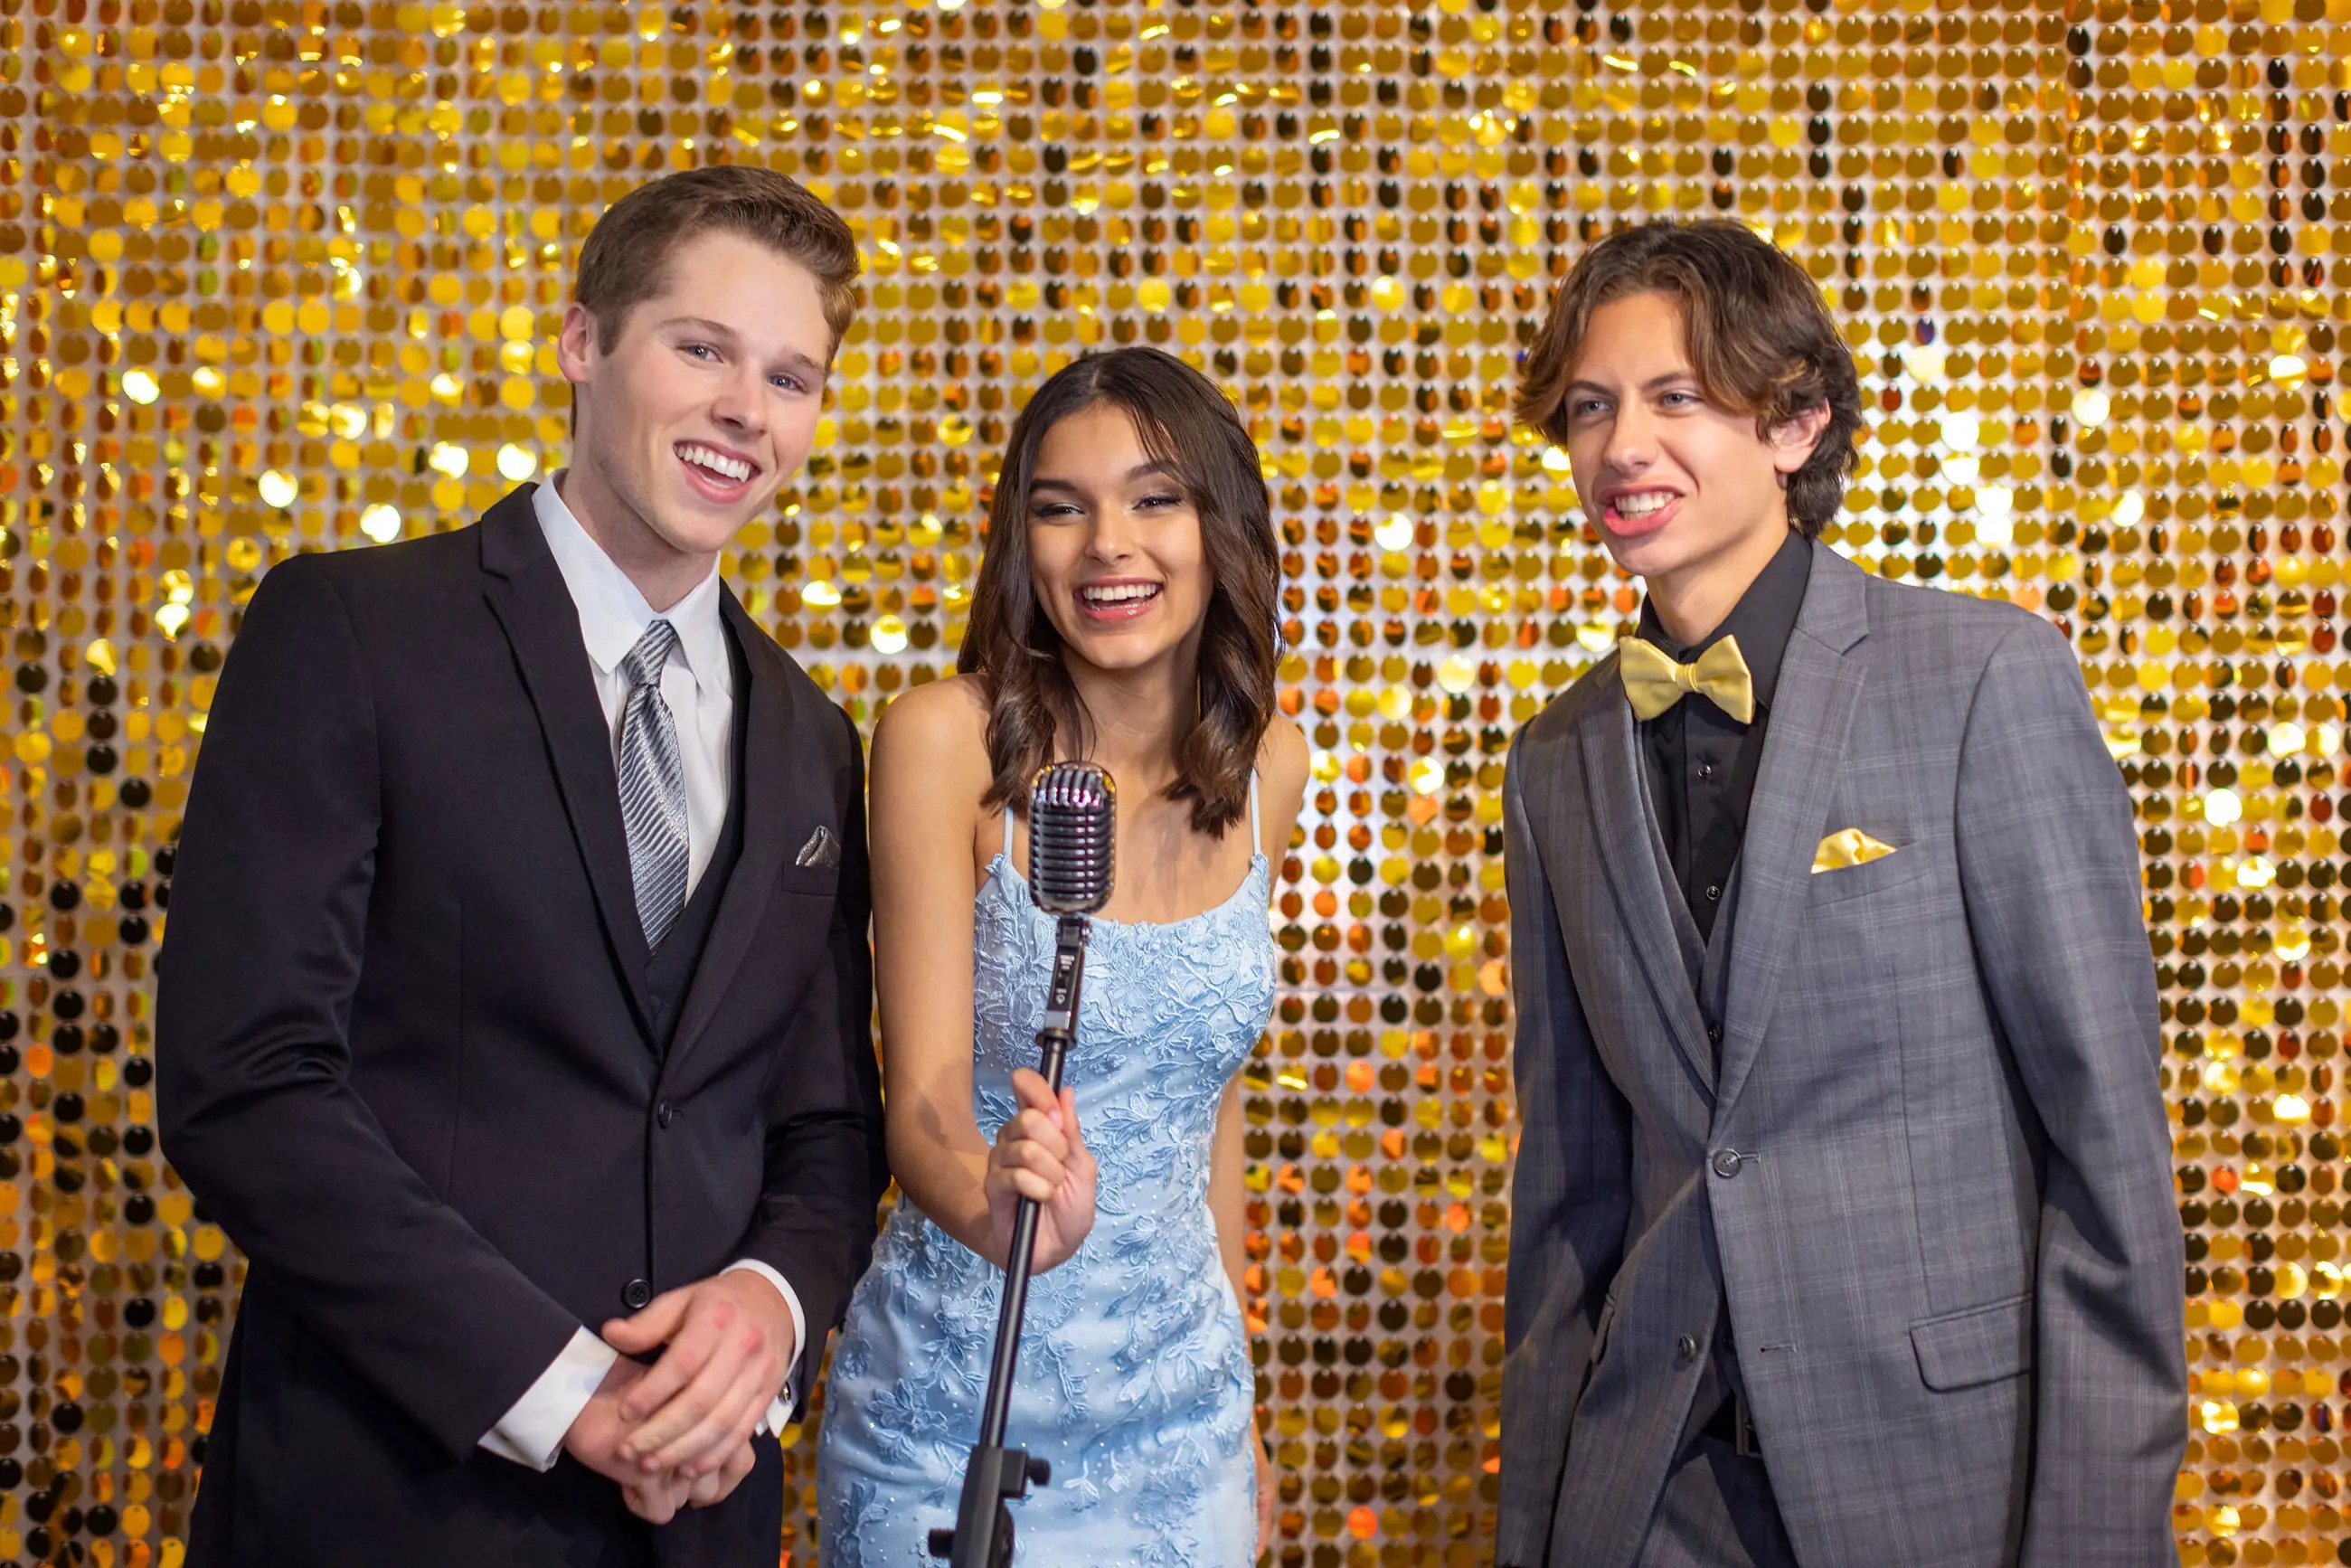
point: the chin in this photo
(1665, 554)
(692, 526)
(1116, 653)
(701, 536)
(1644, 557)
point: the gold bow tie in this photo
(1654, 681)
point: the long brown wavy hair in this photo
(1034, 714)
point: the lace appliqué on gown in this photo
(1134, 1377)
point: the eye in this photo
(1053, 511)
(1679, 400)
(1583, 408)
(1159, 499)
(698, 350)
(786, 383)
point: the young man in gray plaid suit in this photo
(1844, 1228)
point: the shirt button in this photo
(1714, 894)
(666, 1113)
(1714, 1034)
(1726, 1163)
(1686, 1349)
(1706, 769)
(635, 1294)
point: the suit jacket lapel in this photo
(526, 592)
(1633, 854)
(767, 785)
(1819, 679)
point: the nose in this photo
(1632, 439)
(740, 400)
(1112, 540)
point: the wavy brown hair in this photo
(1034, 714)
(1757, 334)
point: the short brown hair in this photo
(1757, 334)
(627, 254)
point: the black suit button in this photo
(1726, 1163)
(1686, 1349)
(635, 1294)
(666, 1113)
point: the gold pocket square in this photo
(1849, 846)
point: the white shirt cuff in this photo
(531, 1432)
(779, 1409)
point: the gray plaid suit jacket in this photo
(1928, 1163)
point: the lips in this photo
(1629, 514)
(1109, 603)
(716, 472)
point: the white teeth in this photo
(1640, 506)
(718, 462)
(1118, 593)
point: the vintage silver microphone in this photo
(1072, 823)
(1072, 842)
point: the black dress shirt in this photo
(1701, 761)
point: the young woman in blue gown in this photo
(1124, 614)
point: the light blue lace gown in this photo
(1135, 1375)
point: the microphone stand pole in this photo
(982, 1536)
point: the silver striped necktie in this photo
(652, 786)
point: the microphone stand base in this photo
(982, 1536)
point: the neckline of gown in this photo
(1002, 873)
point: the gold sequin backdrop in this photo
(280, 275)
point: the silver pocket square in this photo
(822, 849)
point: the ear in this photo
(1791, 441)
(576, 347)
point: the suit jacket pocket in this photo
(1979, 1344)
(818, 881)
(1870, 876)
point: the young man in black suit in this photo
(514, 1004)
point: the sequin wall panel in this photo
(277, 275)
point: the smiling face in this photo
(705, 401)
(1115, 553)
(1684, 492)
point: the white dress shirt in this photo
(698, 684)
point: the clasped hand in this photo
(1040, 1154)
(677, 1434)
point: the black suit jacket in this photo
(406, 1062)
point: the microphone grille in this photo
(1072, 813)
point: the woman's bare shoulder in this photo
(1283, 758)
(935, 736)
(951, 712)
(1282, 764)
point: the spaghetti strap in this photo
(1005, 849)
(1257, 837)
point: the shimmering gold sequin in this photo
(284, 274)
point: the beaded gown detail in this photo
(1133, 1377)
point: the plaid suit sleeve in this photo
(1570, 1194)
(2049, 868)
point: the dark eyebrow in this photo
(1140, 470)
(1652, 385)
(809, 371)
(806, 368)
(702, 324)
